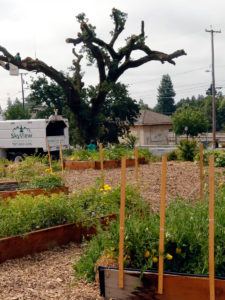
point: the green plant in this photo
(26, 213)
(173, 155)
(114, 153)
(188, 149)
(32, 165)
(219, 157)
(48, 182)
(186, 240)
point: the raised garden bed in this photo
(8, 192)
(176, 286)
(44, 239)
(80, 165)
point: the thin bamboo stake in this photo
(211, 229)
(49, 154)
(201, 172)
(136, 163)
(162, 225)
(61, 157)
(101, 162)
(122, 222)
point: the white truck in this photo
(18, 137)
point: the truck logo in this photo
(21, 132)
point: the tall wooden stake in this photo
(101, 162)
(162, 225)
(211, 229)
(201, 171)
(122, 222)
(136, 163)
(61, 156)
(49, 154)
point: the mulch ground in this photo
(49, 275)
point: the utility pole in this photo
(21, 75)
(213, 88)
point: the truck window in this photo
(55, 128)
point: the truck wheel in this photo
(18, 157)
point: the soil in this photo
(49, 275)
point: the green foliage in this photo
(48, 182)
(188, 149)
(17, 112)
(219, 157)
(45, 94)
(3, 163)
(174, 155)
(186, 240)
(26, 213)
(165, 98)
(115, 153)
(130, 141)
(32, 165)
(189, 121)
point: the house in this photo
(152, 128)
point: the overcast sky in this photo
(38, 28)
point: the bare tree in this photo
(111, 64)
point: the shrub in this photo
(188, 149)
(219, 157)
(173, 155)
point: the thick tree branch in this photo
(155, 55)
(119, 27)
(77, 77)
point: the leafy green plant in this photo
(114, 153)
(26, 213)
(188, 149)
(48, 182)
(32, 165)
(3, 163)
(174, 155)
(186, 240)
(219, 157)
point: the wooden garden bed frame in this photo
(176, 286)
(81, 165)
(34, 192)
(44, 239)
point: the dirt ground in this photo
(49, 275)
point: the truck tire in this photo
(18, 157)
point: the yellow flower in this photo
(155, 259)
(169, 256)
(178, 250)
(221, 184)
(101, 190)
(147, 254)
(104, 193)
(154, 250)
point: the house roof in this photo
(148, 117)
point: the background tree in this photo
(15, 111)
(111, 64)
(165, 98)
(118, 112)
(143, 105)
(189, 121)
(44, 97)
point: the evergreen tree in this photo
(165, 96)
